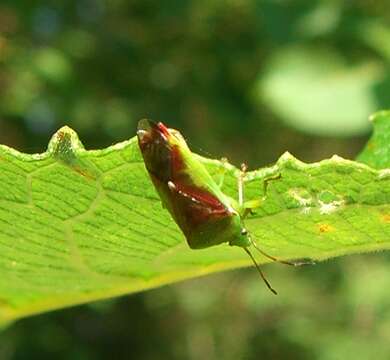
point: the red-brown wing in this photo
(193, 207)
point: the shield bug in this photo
(205, 215)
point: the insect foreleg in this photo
(268, 180)
(251, 205)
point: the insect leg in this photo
(243, 171)
(295, 263)
(247, 206)
(223, 172)
(251, 205)
(268, 180)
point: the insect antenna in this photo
(270, 256)
(260, 272)
(262, 252)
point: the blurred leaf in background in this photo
(209, 68)
(313, 91)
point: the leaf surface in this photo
(78, 226)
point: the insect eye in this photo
(244, 232)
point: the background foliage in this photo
(228, 74)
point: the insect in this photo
(205, 215)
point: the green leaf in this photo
(78, 226)
(315, 91)
(377, 151)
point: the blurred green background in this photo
(243, 79)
